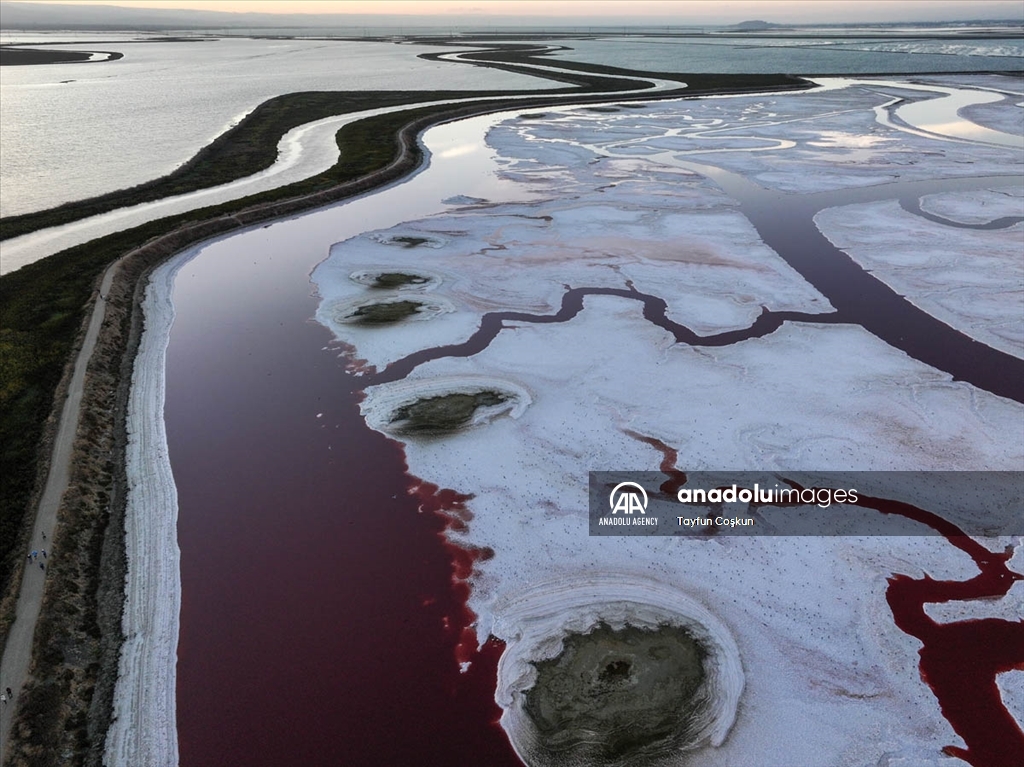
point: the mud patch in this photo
(619, 696)
(412, 240)
(441, 406)
(405, 280)
(388, 310)
(446, 413)
(384, 313)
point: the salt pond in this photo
(804, 638)
(108, 126)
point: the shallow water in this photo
(72, 131)
(341, 647)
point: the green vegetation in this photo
(384, 313)
(392, 280)
(443, 414)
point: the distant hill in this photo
(754, 26)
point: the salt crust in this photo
(822, 659)
(809, 614)
(1011, 687)
(972, 280)
(601, 227)
(809, 142)
(977, 207)
(144, 727)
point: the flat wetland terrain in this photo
(66, 707)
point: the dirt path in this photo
(17, 654)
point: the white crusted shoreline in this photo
(144, 727)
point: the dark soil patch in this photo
(409, 241)
(391, 280)
(616, 697)
(446, 413)
(385, 313)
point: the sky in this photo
(620, 11)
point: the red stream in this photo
(960, 660)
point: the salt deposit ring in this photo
(538, 624)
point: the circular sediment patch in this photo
(613, 695)
(441, 406)
(387, 310)
(443, 413)
(643, 679)
(411, 239)
(396, 279)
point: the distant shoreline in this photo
(15, 57)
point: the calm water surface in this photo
(319, 622)
(142, 116)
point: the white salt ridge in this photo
(972, 280)
(144, 726)
(537, 622)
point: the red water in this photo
(451, 507)
(323, 613)
(960, 660)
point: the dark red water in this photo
(323, 616)
(960, 660)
